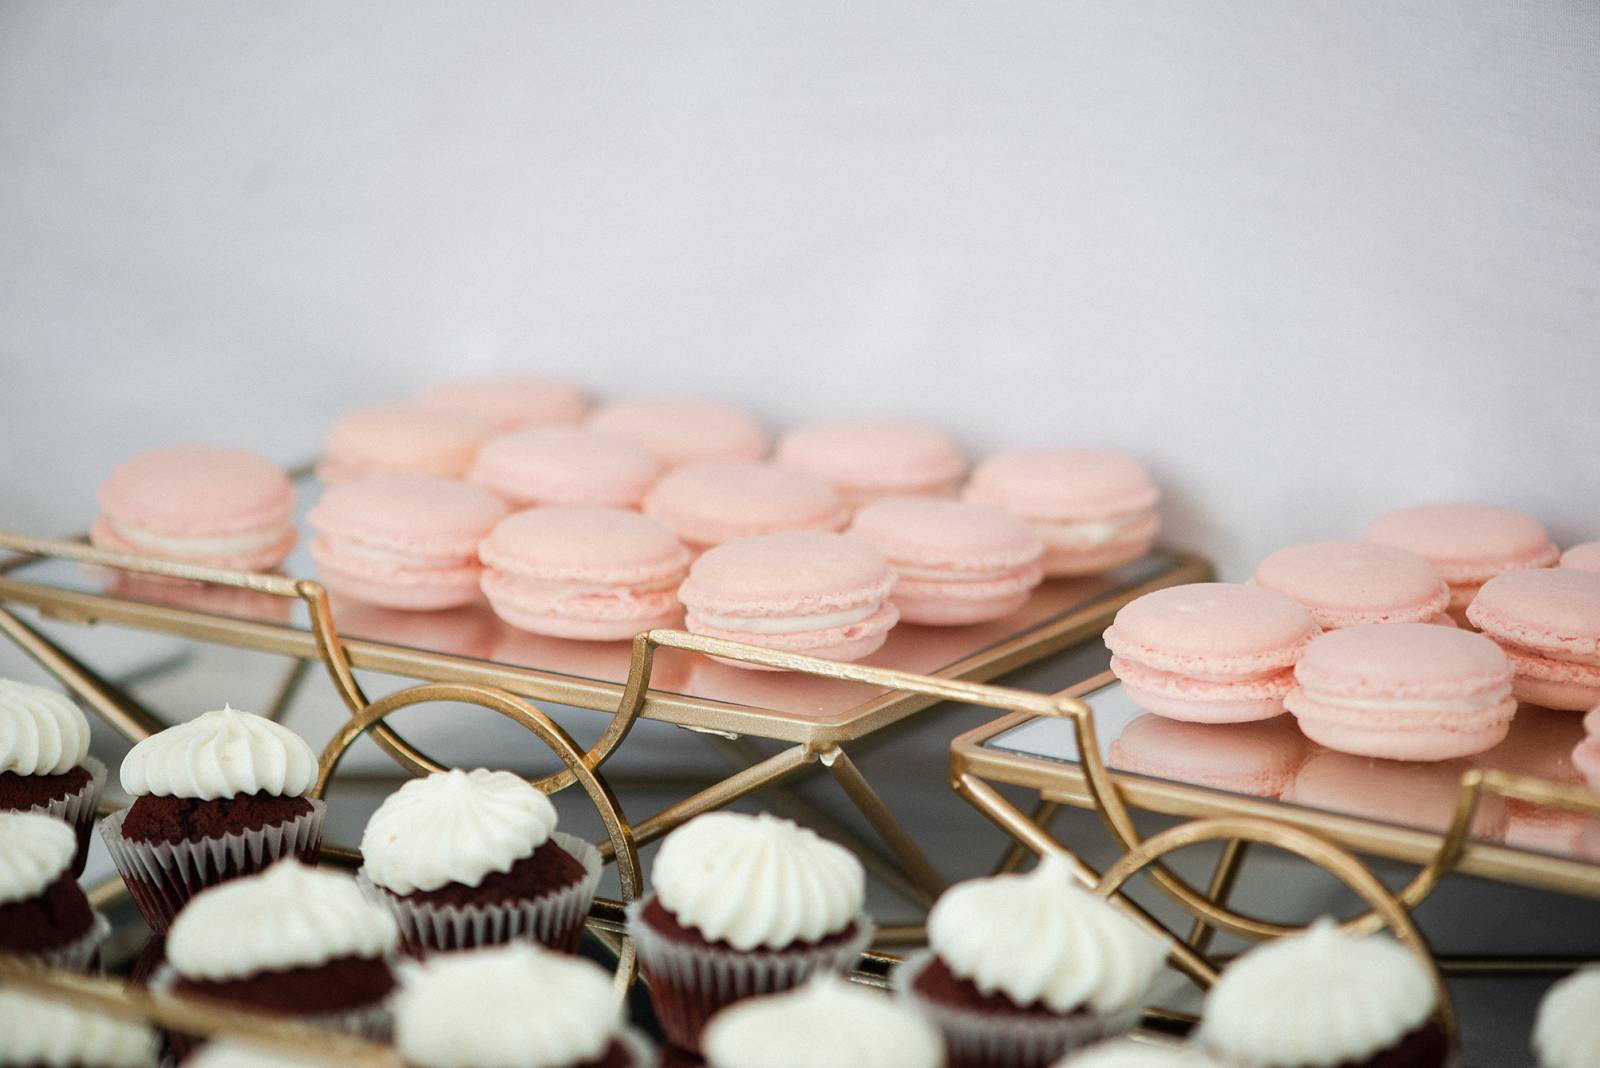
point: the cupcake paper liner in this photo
(642, 1051)
(555, 919)
(78, 809)
(689, 983)
(163, 876)
(977, 1039)
(375, 1022)
(78, 955)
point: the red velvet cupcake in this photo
(743, 905)
(45, 764)
(465, 859)
(43, 912)
(215, 798)
(45, 1032)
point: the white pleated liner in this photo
(705, 979)
(163, 876)
(554, 919)
(79, 809)
(976, 1038)
(77, 955)
(375, 1022)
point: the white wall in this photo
(1311, 260)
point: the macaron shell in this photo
(101, 535)
(873, 457)
(410, 438)
(408, 589)
(1063, 484)
(1467, 543)
(709, 503)
(509, 401)
(850, 642)
(1550, 683)
(586, 544)
(795, 573)
(1132, 542)
(565, 465)
(416, 514)
(1402, 661)
(959, 604)
(947, 535)
(1194, 700)
(1212, 630)
(1349, 583)
(583, 614)
(1420, 736)
(1585, 557)
(684, 430)
(1554, 611)
(198, 490)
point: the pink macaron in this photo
(584, 572)
(870, 458)
(1548, 623)
(1468, 544)
(403, 541)
(707, 504)
(684, 430)
(1586, 755)
(958, 563)
(1405, 691)
(509, 401)
(1094, 509)
(565, 465)
(202, 504)
(1348, 583)
(1259, 759)
(403, 439)
(824, 595)
(1210, 652)
(1585, 557)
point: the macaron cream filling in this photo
(219, 545)
(789, 624)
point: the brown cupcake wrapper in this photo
(79, 808)
(555, 919)
(690, 983)
(977, 1039)
(375, 1022)
(78, 955)
(163, 876)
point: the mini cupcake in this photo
(472, 858)
(828, 1021)
(741, 906)
(1566, 1033)
(293, 941)
(1128, 1053)
(45, 764)
(220, 796)
(43, 911)
(514, 1007)
(1022, 968)
(37, 1031)
(1323, 997)
(226, 1054)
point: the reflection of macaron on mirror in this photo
(1259, 759)
(1586, 754)
(1421, 795)
(1540, 744)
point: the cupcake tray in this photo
(1516, 815)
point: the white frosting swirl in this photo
(454, 827)
(514, 1006)
(41, 731)
(1350, 998)
(757, 881)
(223, 753)
(35, 1030)
(226, 1054)
(289, 916)
(827, 1021)
(1567, 1031)
(1043, 938)
(34, 850)
(1127, 1053)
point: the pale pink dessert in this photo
(403, 541)
(1585, 557)
(1405, 691)
(1468, 544)
(1540, 744)
(584, 572)
(1259, 759)
(1094, 509)
(707, 504)
(1548, 623)
(1347, 583)
(402, 439)
(201, 504)
(1420, 795)
(684, 430)
(509, 401)
(866, 459)
(824, 595)
(565, 465)
(1211, 652)
(1586, 755)
(958, 563)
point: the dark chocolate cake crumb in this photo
(24, 792)
(187, 819)
(667, 926)
(547, 869)
(939, 984)
(55, 918)
(344, 985)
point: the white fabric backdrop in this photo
(1310, 260)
